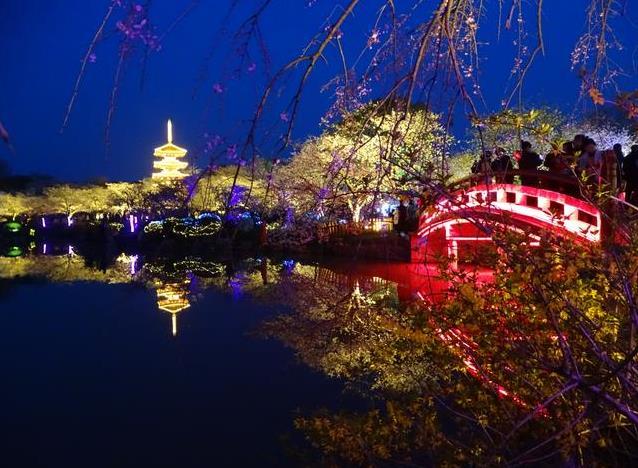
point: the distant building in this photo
(168, 165)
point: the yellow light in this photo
(168, 165)
(172, 298)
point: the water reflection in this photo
(172, 298)
(442, 384)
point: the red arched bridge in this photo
(466, 212)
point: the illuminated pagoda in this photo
(168, 165)
(172, 298)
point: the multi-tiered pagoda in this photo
(173, 298)
(168, 165)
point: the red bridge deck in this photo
(469, 214)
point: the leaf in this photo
(596, 96)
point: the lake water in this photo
(94, 376)
(117, 360)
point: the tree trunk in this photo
(356, 212)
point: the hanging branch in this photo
(540, 48)
(113, 98)
(87, 58)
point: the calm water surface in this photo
(118, 360)
(94, 374)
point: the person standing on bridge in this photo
(568, 156)
(552, 162)
(630, 168)
(483, 167)
(620, 157)
(403, 217)
(530, 161)
(502, 167)
(590, 163)
(412, 215)
(578, 144)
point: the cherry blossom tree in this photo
(373, 152)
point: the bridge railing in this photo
(539, 179)
(531, 205)
(604, 177)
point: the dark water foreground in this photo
(93, 375)
(245, 362)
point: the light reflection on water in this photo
(106, 361)
(191, 362)
(176, 281)
(148, 364)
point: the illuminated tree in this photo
(13, 205)
(126, 197)
(213, 189)
(162, 199)
(460, 164)
(98, 199)
(507, 128)
(64, 199)
(605, 132)
(372, 152)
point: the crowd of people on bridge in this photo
(405, 217)
(564, 165)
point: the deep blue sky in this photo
(43, 42)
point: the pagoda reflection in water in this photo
(173, 298)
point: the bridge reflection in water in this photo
(411, 280)
(422, 284)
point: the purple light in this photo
(131, 223)
(289, 216)
(289, 266)
(44, 223)
(71, 252)
(236, 285)
(237, 194)
(44, 247)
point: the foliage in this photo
(13, 204)
(66, 199)
(213, 189)
(460, 165)
(604, 132)
(127, 197)
(162, 199)
(507, 128)
(119, 198)
(538, 362)
(372, 152)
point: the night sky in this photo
(43, 43)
